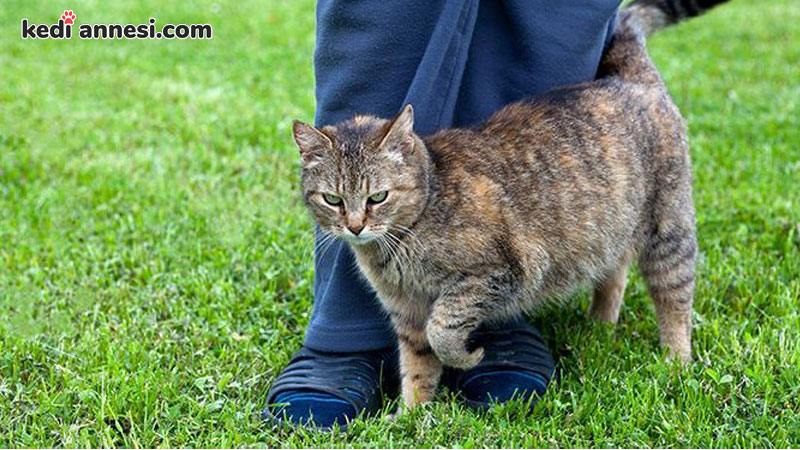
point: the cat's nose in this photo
(356, 228)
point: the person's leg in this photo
(346, 316)
(523, 48)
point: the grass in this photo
(156, 267)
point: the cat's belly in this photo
(412, 284)
(553, 273)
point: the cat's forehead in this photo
(359, 134)
(354, 164)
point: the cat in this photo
(469, 226)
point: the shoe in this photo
(319, 389)
(516, 364)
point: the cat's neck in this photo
(375, 255)
(401, 249)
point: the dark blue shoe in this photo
(319, 389)
(517, 364)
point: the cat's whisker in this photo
(402, 247)
(392, 250)
(411, 250)
(326, 242)
(385, 248)
(308, 240)
(397, 252)
(409, 232)
(403, 257)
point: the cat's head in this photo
(365, 178)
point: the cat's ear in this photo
(310, 141)
(401, 132)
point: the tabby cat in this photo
(474, 225)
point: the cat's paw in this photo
(682, 355)
(450, 346)
(396, 414)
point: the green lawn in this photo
(156, 266)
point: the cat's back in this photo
(567, 167)
(577, 113)
(598, 134)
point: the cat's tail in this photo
(654, 15)
(626, 56)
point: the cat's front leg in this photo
(420, 369)
(456, 314)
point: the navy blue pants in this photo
(456, 62)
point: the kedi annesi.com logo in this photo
(60, 30)
(63, 30)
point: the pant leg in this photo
(523, 48)
(456, 61)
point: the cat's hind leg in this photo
(667, 264)
(608, 296)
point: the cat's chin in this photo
(358, 241)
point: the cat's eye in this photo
(333, 200)
(377, 197)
